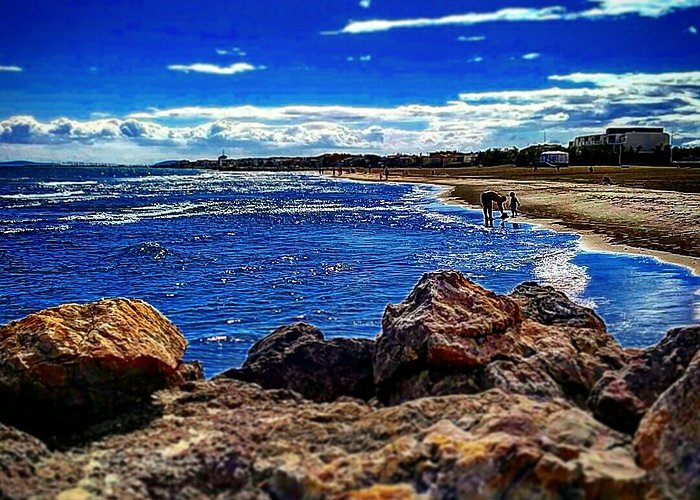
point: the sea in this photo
(228, 257)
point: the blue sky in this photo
(141, 81)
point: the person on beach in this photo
(514, 204)
(386, 173)
(488, 198)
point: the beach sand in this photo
(651, 211)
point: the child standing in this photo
(514, 204)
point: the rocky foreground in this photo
(464, 394)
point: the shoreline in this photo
(589, 240)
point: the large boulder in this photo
(451, 336)
(668, 438)
(63, 367)
(297, 357)
(621, 397)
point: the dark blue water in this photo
(229, 257)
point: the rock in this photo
(548, 306)
(621, 397)
(451, 336)
(298, 358)
(74, 364)
(19, 453)
(447, 323)
(226, 438)
(487, 399)
(189, 371)
(668, 438)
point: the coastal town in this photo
(649, 146)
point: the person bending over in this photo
(488, 198)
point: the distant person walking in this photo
(386, 173)
(488, 198)
(514, 204)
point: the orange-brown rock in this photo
(451, 335)
(668, 438)
(77, 363)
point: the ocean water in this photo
(230, 256)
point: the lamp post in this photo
(672, 133)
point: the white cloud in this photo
(510, 14)
(583, 103)
(693, 30)
(11, 68)
(365, 4)
(556, 117)
(629, 80)
(602, 9)
(213, 69)
(234, 51)
(476, 59)
(644, 8)
(479, 38)
(364, 58)
(531, 56)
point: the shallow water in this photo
(228, 257)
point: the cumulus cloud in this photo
(214, 69)
(601, 9)
(11, 68)
(693, 30)
(531, 56)
(365, 4)
(575, 104)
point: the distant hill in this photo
(23, 163)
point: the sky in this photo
(142, 81)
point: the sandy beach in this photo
(652, 211)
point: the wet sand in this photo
(662, 222)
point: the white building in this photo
(640, 139)
(555, 157)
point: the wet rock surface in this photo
(79, 363)
(480, 396)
